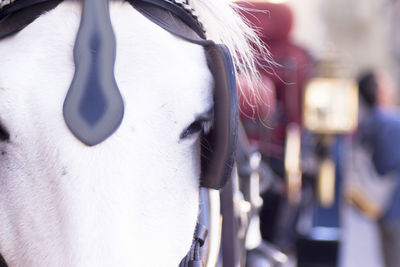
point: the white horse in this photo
(133, 199)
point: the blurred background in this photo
(325, 124)
(359, 33)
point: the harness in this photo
(94, 108)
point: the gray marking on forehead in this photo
(94, 108)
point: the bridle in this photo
(94, 108)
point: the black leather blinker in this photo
(219, 145)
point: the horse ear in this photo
(219, 145)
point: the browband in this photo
(178, 8)
(16, 14)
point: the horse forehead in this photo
(151, 64)
(154, 59)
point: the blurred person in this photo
(379, 132)
(274, 23)
(387, 94)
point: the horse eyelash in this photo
(207, 126)
(4, 134)
(201, 124)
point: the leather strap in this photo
(179, 9)
(169, 19)
(18, 15)
(18, 5)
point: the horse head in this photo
(132, 199)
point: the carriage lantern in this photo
(330, 107)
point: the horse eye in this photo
(4, 135)
(193, 128)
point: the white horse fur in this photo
(133, 199)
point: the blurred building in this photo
(358, 33)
